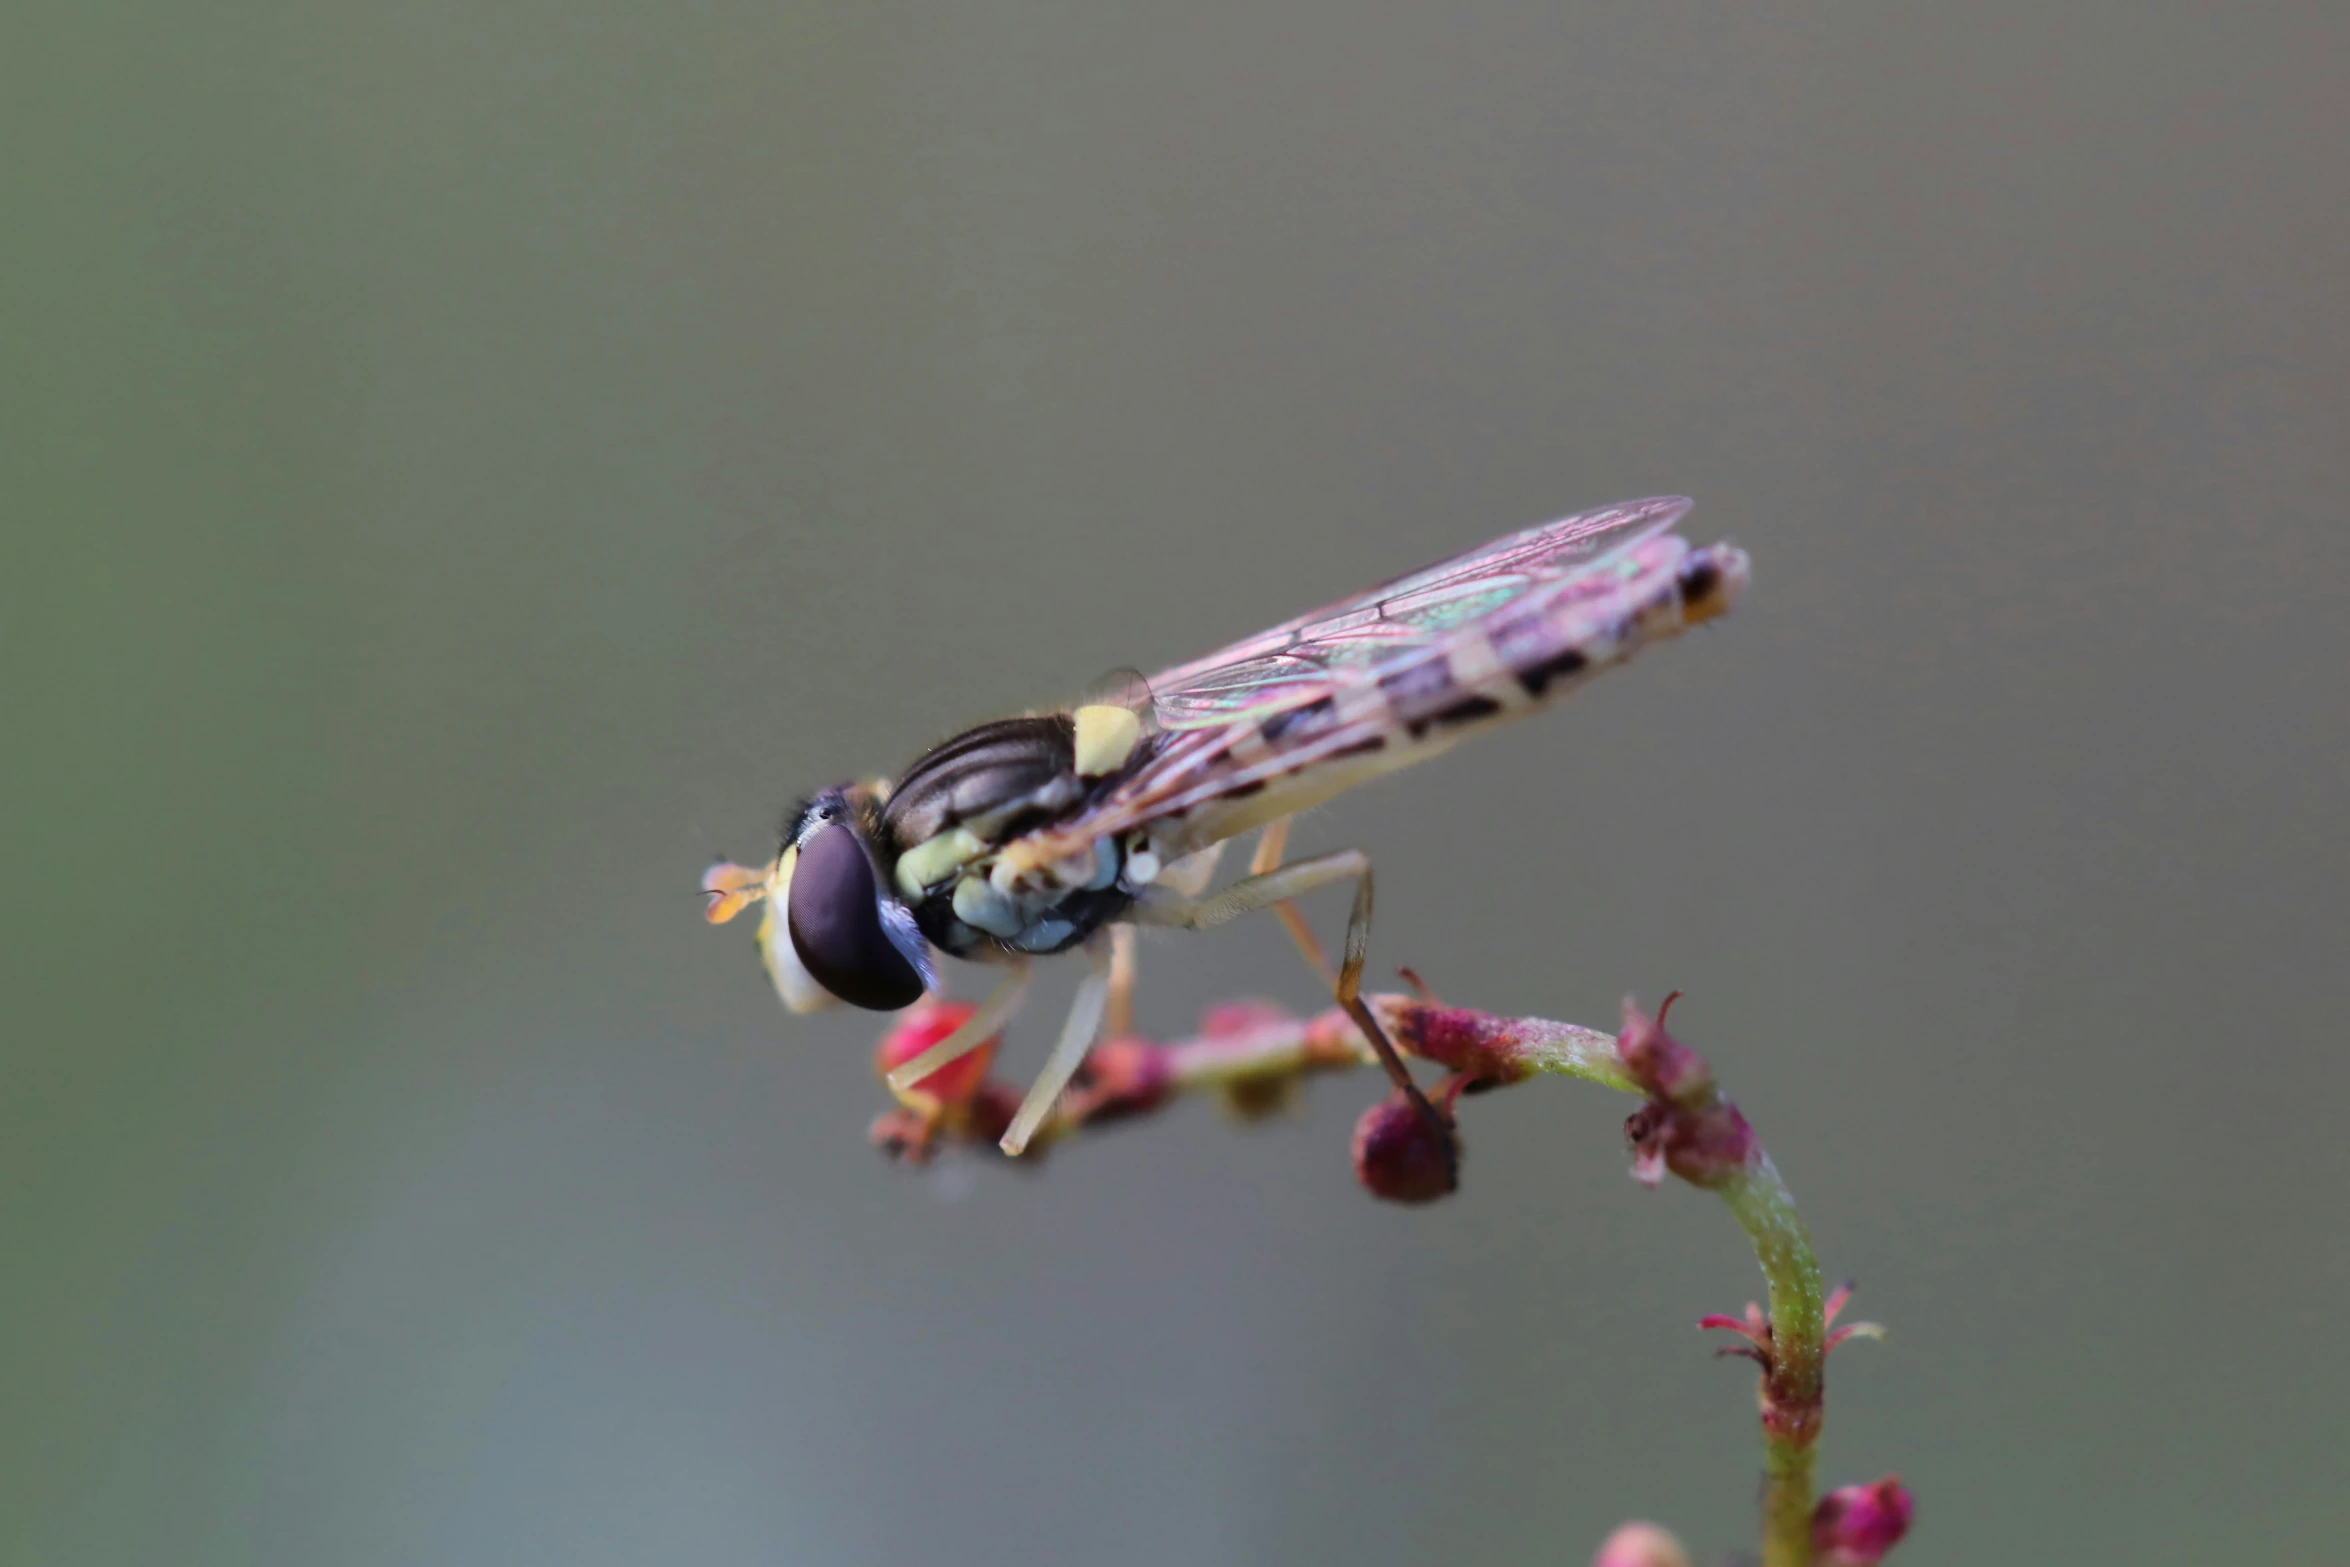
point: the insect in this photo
(1062, 830)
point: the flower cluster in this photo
(1249, 1054)
(1755, 1328)
(1686, 1126)
(1791, 1388)
(1252, 1057)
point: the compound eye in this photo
(835, 923)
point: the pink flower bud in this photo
(1122, 1077)
(1662, 1066)
(918, 1028)
(1856, 1525)
(1399, 1157)
(1639, 1544)
(1686, 1127)
(1705, 1146)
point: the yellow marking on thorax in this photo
(1105, 738)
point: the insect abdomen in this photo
(1487, 674)
(1481, 676)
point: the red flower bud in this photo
(915, 1030)
(1401, 1158)
(1639, 1544)
(1856, 1525)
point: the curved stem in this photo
(1792, 1385)
(1268, 1046)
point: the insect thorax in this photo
(956, 807)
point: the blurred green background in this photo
(466, 465)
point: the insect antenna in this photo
(732, 888)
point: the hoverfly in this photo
(1038, 834)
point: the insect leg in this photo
(1118, 1016)
(1270, 843)
(1350, 996)
(1290, 881)
(993, 1013)
(1077, 1037)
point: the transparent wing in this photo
(1560, 574)
(1129, 689)
(1295, 663)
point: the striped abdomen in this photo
(1423, 700)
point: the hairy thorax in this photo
(950, 816)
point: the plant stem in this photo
(1792, 1386)
(1793, 1378)
(1791, 1394)
(1271, 1047)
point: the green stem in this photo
(1569, 1050)
(1765, 1210)
(1757, 1198)
(1793, 1384)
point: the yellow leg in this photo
(1077, 1037)
(1270, 843)
(992, 1015)
(1118, 1015)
